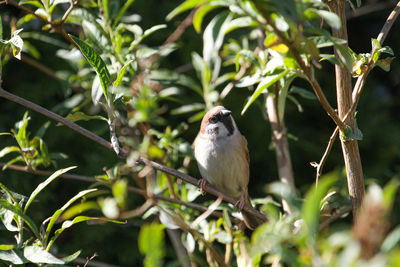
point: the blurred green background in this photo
(378, 118)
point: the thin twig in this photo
(106, 144)
(381, 39)
(69, 10)
(130, 188)
(370, 8)
(181, 28)
(54, 116)
(334, 217)
(306, 69)
(207, 213)
(358, 87)
(10, 2)
(321, 163)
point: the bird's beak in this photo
(226, 112)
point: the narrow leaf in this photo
(5, 204)
(267, 82)
(57, 214)
(97, 63)
(188, 4)
(121, 73)
(42, 185)
(37, 254)
(7, 150)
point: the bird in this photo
(223, 159)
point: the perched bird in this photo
(223, 159)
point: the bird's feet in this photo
(240, 203)
(202, 184)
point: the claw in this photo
(202, 184)
(240, 203)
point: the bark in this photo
(352, 160)
(279, 139)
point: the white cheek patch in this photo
(217, 129)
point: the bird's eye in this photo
(213, 119)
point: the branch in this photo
(130, 188)
(334, 217)
(306, 69)
(69, 10)
(381, 38)
(10, 2)
(54, 116)
(321, 163)
(358, 89)
(56, 25)
(106, 144)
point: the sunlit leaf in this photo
(311, 207)
(188, 4)
(7, 205)
(42, 185)
(97, 63)
(37, 254)
(121, 73)
(79, 116)
(7, 150)
(151, 244)
(264, 84)
(58, 213)
(12, 257)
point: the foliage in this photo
(110, 67)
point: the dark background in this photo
(378, 119)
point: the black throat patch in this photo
(227, 121)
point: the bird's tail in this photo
(251, 221)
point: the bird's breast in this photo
(221, 164)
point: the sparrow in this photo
(223, 159)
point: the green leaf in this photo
(13, 257)
(57, 214)
(78, 219)
(389, 193)
(200, 14)
(121, 73)
(267, 82)
(349, 135)
(42, 185)
(331, 18)
(153, 29)
(386, 50)
(5, 204)
(303, 92)
(384, 63)
(97, 63)
(6, 247)
(188, 108)
(188, 4)
(7, 150)
(79, 116)
(311, 207)
(326, 41)
(96, 35)
(151, 244)
(391, 240)
(37, 254)
(345, 56)
(71, 257)
(122, 12)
